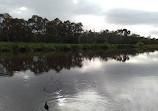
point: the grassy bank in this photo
(37, 47)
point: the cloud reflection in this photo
(24, 74)
(91, 65)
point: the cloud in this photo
(132, 17)
(63, 9)
(154, 32)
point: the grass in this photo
(38, 47)
(12, 46)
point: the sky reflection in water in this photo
(94, 84)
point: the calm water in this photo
(111, 81)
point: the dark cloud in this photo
(63, 9)
(132, 17)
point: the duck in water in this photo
(46, 106)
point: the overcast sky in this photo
(139, 16)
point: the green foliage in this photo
(104, 46)
(60, 47)
(75, 47)
(139, 45)
(39, 30)
(37, 47)
(126, 46)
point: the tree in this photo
(3, 17)
(38, 26)
(126, 32)
(15, 30)
(53, 33)
(70, 32)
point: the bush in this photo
(124, 46)
(104, 46)
(75, 47)
(139, 44)
(86, 47)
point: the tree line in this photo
(38, 29)
(42, 62)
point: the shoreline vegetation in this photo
(41, 62)
(48, 47)
(40, 34)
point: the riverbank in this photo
(38, 47)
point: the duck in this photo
(46, 106)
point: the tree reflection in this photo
(43, 62)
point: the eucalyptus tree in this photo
(126, 32)
(70, 31)
(3, 17)
(38, 26)
(15, 30)
(53, 32)
(77, 29)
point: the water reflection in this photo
(44, 62)
(88, 82)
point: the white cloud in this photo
(92, 22)
(144, 59)
(23, 8)
(75, 1)
(91, 13)
(91, 65)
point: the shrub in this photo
(139, 44)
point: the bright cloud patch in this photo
(19, 10)
(23, 8)
(75, 1)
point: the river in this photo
(79, 81)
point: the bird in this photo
(46, 106)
